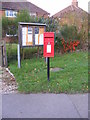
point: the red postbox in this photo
(48, 50)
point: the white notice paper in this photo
(23, 40)
(36, 39)
(24, 30)
(48, 48)
(29, 37)
(41, 39)
(29, 30)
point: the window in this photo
(10, 13)
(32, 14)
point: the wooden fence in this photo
(3, 56)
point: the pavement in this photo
(17, 105)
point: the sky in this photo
(54, 6)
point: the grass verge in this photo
(32, 77)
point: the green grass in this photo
(12, 52)
(32, 77)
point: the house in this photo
(10, 9)
(72, 14)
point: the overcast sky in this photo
(54, 6)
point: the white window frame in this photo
(32, 14)
(10, 13)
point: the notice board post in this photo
(29, 35)
(48, 50)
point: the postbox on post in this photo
(48, 50)
(48, 44)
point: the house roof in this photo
(72, 8)
(24, 5)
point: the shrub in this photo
(80, 21)
(69, 46)
(69, 32)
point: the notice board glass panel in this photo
(27, 36)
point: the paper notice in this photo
(29, 30)
(48, 48)
(23, 40)
(41, 39)
(36, 39)
(29, 37)
(24, 30)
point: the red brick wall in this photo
(2, 13)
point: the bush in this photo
(69, 32)
(67, 39)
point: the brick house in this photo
(10, 9)
(72, 14)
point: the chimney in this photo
(75, 3)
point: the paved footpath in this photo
(44, 106)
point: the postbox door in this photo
(49, 47)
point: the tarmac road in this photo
(44, 105)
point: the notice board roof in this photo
(32, 24)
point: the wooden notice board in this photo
(31, 34)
